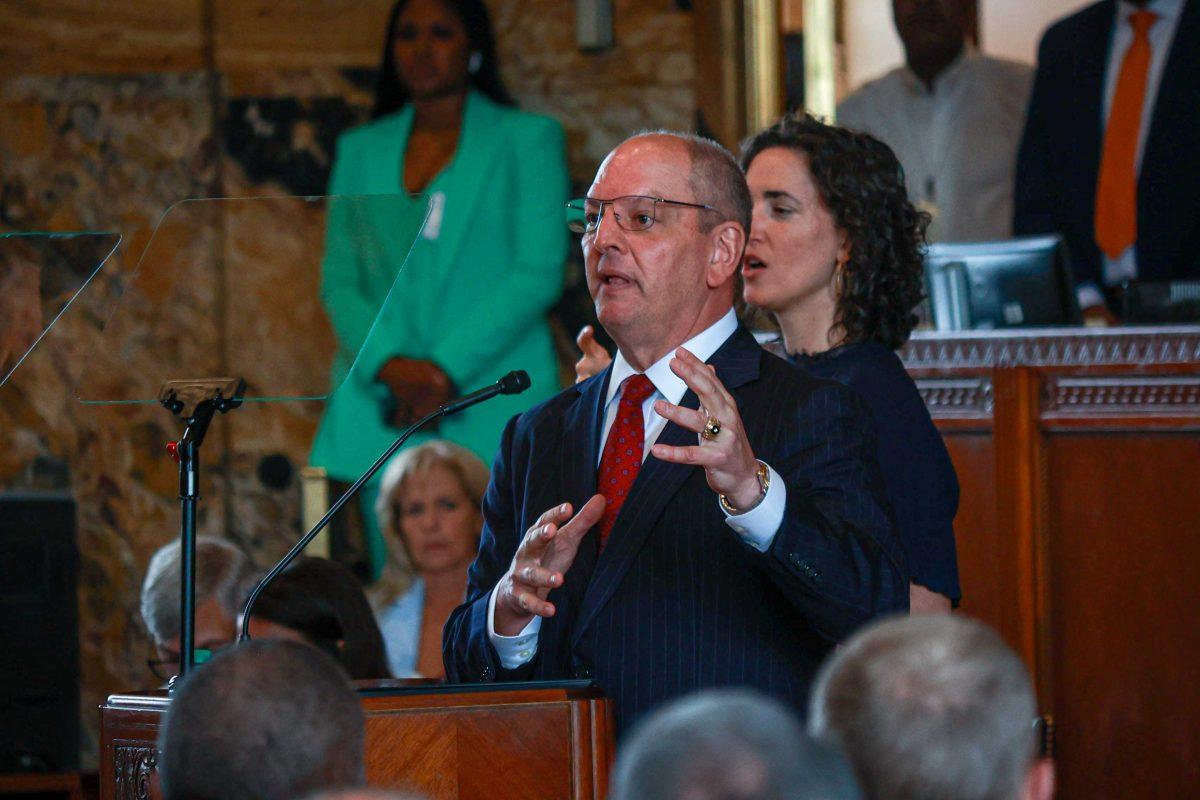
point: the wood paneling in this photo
(531, 741)
(1124, 518)
(1078, 456)
(290, 34)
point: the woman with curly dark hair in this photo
(835, 255)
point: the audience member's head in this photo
(933, 707)
(434, 48)
(320, 602)
(429, 507)
(663, 228)
(220, 569)
(263, 721)
(728, 745)
(833, 224)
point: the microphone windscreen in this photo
(514, 382)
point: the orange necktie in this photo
(1116, 190)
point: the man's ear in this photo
(1039, 781)
(728, 241)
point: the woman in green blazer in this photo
(470, 303)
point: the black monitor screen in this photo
(1006, 284)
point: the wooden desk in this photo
(1078, 454)
(504, 741)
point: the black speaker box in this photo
(39, 634)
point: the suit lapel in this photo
(1094, 42)
(580, 438)
(737, 363)
(463, 194)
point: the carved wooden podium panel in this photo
(1078, 457)
(495, 742)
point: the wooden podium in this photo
(495, 741)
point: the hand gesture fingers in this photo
(726, 456)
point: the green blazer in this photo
(473, 293)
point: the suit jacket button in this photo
(583, 673)
(486, 672)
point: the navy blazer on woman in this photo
(677, 602)
(1059, 160)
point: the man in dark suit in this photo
(1109, 158)
(754, 534)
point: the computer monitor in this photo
(1013, 283)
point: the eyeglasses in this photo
(166, 668)
(633, 212)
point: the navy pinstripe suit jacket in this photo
(677, 602)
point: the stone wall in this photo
(109, 114)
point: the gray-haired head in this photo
(934, 707)
(729, 744)
(267, 720)
(220, 570)
(714, 177)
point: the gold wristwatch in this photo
(763, 473)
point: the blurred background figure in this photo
(728, 745)
(952, 115)
(933, 706)
(491, 254)
(429, 508)
(835, 255)
(1109, 158)
(220, 570)
(263, 721)
(321, 603)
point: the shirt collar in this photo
(1165, 9)
(667, 383)
(917, 86)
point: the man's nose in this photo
(608, 233)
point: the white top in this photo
(1161, 34)
(757, 527)
(957, 142)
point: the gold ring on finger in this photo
(711, 428)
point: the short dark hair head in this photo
(861, 182)
(391, 94)
(728, 744)
(929, 707)
(324, 601)
(266, 720)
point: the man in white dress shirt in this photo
(953, 117)
(699, 514)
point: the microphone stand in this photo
(512, 383)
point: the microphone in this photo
(514, 382)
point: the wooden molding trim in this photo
(1127, 395)
(957, 398)
(1052, 347)
(134, 762)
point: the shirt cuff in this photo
(1089, 295)
(758, 526)
(514, 651)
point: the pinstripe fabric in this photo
(676, 602)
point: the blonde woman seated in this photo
(429, 510)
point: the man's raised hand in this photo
(541, 563)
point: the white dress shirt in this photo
(957, 141)
(1161, 34)
(757, 527)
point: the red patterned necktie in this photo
(623, 451)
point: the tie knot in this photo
(1141, 20)
(636, 389)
